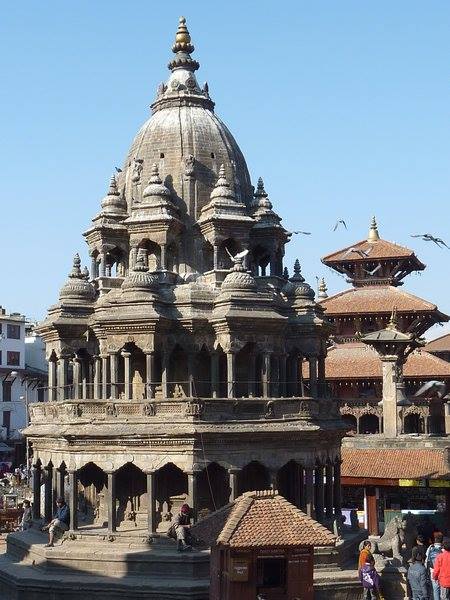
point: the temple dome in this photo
(185, 138)
(139, 279)
(77, 287)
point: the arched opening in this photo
(172, 258)
(260, 261)
(351, 422)
(152, 254)
(131, 497)
(289, 482)
(207, 257)
(226, 248)
(246, 378)
(212, 488)
(178, 376)
(369, 424)
(202, 373)
(171, 492)
(253, 476)
(92, 496)
(414, 423)
(115, 264)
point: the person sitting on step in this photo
(60, 521)
(179, 529)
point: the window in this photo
(13, 332)
(7, 385)
(7, 420)
(13, 359)
(271, 572)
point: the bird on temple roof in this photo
(431, 387)
(118, 170)
(362, 253)
(373, 271)
(427, 237)
(339, 222)
(298, 232)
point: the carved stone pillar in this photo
(265, 374)
(329, 500)
(151, 499)
(215, 257)
(97, 388)
(113, 367)
(312, 360)
(112, 517)
(132, 257)
(322, 386)
(192, 492)
(76, 363)
(319, 493)
(190, 368)
(282, 375)
(105, 360)
(59, 488)
(63, 362)
(234, 492)
(215, 384)
(127, 374)
(447, 420)
(48, 493)
(93, 267)
(231, 374)
(164, 373)
(163, 257)
(337, 490)
(85, 378)
(37, 491)
(309, 491)
(73, 500)
(275, 376)
(150, 373)
(52, 380)
(102, 256)
(390, 412)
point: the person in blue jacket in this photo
(61, 521)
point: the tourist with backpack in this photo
(430, 558)
(441, 570)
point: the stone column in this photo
(105, 360)
(59, 488)
(275, 371)
(48, 493)
(313, 376)
(151, 500)
(37, 491)
(215, 384)
(309, 491)
(282, 375)
(127, 374)
(102, 256)
(85, 378)
(265, 374)
(73, 500)
(112, 517)
(113, 372)
(231, 374)
(215, 257)
(233, 474)
(390, 422)
(76, 377)
(163, 257)
(329, 499)
(52, 396)
(62, 378)
(252, 374)
(150, 373)
(447, 417)
(93, 267)
(337, 490)
(192, 492)
(132, 257)
(97, 391)
(301, 495)
(319, 493)
(164, 373)
(190, 368)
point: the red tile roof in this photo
(379, 249)
(440, 344)
(375, 299)
(358, 361)
(387, 463)
(262, 518)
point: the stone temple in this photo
(175, 366)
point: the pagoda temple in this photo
(376, 269)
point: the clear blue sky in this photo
(342, 107)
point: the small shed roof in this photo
(262, 518)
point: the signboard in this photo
(439, 483)
(412, 483)
(239, 569)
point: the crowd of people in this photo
(428, 572)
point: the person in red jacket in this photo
(441, 571)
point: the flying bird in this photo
(433, 387)
(239, 257)
(118, 170)
(361, 253)
(340, 222)
(299, 232)
(427, 237)
(373, 271)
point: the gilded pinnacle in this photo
(393, 321)
(182, 38)
(373, 236)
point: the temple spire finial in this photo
(322, 289)
(182, 49)
(76, 268)
(297, 276)
(373, 236)
(393, 321)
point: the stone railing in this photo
(209, 409)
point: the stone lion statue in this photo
(398, 539)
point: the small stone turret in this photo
(139, 279)
(77, 288)
(113, 204)
(296, 288)
(322, 289)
